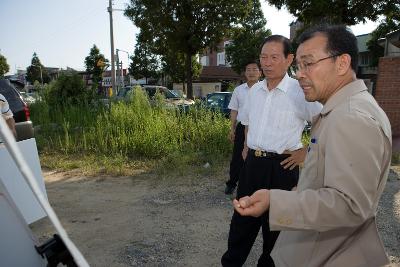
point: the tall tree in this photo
(95, 64)
(145, 63)
(36, 71)
(173, 65)
(247, 39)
(337, 11)
(4, 67)
(186, 26)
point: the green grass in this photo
(108, 140)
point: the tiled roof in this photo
(219, 73)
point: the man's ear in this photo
(343, 63)
(289, 59)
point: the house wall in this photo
(388, 90)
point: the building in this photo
(387, 91)
(216, 74)
(365, 70)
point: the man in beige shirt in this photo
(330, 219)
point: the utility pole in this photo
(112, 48)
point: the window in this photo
(364, 59)
(204, 61)
(221, 58)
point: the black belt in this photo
(266, 154)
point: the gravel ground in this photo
(148, 220)
(388, 218)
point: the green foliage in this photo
(186, 27)
(174, 66)
(68, 89)
(339, 12)
(36, 71)
(131, 130)
(247, 39)
(144, 62)
(4, 67)
(95, 64)
(231, 87)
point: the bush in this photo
(68, 89)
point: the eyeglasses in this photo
(305, 66)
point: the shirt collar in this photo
(282, 85)
(346, 91)
(246, 85)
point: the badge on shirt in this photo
(313, 141)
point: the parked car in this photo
(219, 101)
(29, 98)
(18, 106)
(171, 98)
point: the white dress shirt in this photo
(238, 99)
(276, 117)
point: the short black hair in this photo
(287, 47)
(340, 41)
(251, 61)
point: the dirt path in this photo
(149, 220)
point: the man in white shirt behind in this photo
(236, 134)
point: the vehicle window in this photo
(167, 93)
(151, 91)
(227, 100)
(216, 100)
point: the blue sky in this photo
(62, 32)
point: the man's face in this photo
(252, 73)
(273, 62)
(317, 77)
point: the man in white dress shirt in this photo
(275, 115)
(236, 134)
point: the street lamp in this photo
(122, 74)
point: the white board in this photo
(15, 183)
(17, 244)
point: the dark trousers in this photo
(259, 172)
(237, 161)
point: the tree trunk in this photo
(188, 66)
(184, 82)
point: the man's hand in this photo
(232, 135)
(244, 152)
(296, 158)
(254, 205)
